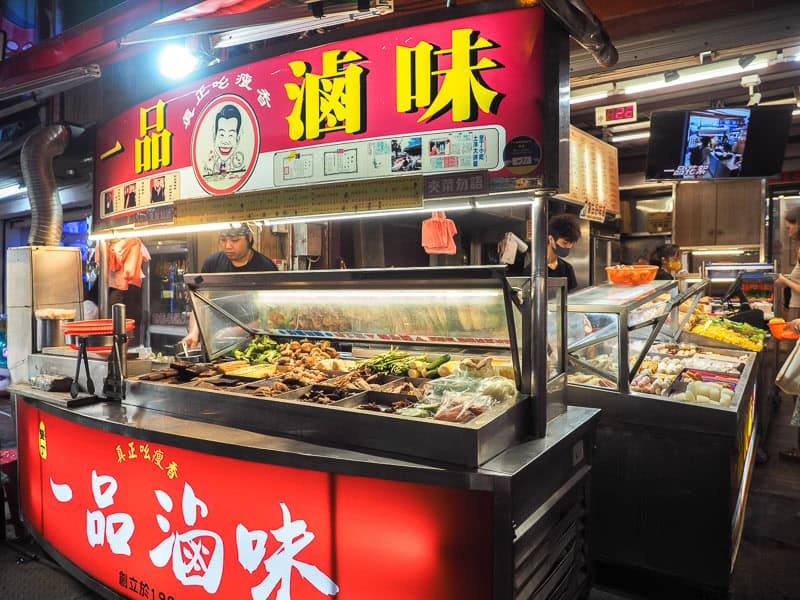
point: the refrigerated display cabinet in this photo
(682, 467)
(457, 311)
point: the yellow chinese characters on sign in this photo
(153, 149)
(328, 102)
(461, 89)
(144, 452)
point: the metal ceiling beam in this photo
(101, 31)
(208, 25)
(777, 24)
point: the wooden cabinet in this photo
(728, 213)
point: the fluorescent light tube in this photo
(11, 190)
(693, 75)
(642, 135)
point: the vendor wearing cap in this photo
(236, 256)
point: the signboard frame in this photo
(549, 176)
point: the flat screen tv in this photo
(718, 143)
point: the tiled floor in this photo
(768, 567)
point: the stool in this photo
(8, 490)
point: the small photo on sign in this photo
(438, 147)
(108, 202)
(156, 190)
(130, 196)
(407, 154)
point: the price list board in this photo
(593, 174)
(334, 198)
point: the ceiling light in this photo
(176, 62)
(718, 253)
(255, 33)
(49, 85)
(588, 94)
(695, 74)
(11, 190)
(642, 135)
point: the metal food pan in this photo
(417, 382)
(466, 444)
(376, 397)
(299, 392)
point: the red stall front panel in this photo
(154, 521)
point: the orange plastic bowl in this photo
(782, 331)
(631, 274)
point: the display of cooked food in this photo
(737, 334)
(324, 395)
(705, 393)
(590, 379)
(683, 349)
(652, 383)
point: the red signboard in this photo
(155, 521)
(453, 96)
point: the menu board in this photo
(342, 197)
(593, 174)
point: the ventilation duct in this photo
(585, 28)
(36, 160)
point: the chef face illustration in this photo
(225, 144)
(228, 123)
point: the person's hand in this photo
(192, 340)
(795, 325)
(781, 280)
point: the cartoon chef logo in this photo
(225, 144)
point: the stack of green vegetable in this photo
(421, 367)
(262, 349)
(399, 362)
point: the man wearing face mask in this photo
(563, 232)
(667, 257)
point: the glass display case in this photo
(469, 315)
(610, 326)
(631, 341)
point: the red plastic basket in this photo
(783, 331)
(96, 328)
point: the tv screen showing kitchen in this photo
(718, 143)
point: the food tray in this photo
(465, 444)
(346, 394)
(379, 399)
(418, 382)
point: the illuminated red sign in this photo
(155, 521)
(445, 97)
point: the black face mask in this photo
(560, 251)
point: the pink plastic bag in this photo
(437, 234)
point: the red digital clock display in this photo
(617, 113)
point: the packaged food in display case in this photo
(370, 359)
(653, 370)
(610, 327)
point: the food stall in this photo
(677, 436)
(344, 425)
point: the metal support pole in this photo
(538, 340)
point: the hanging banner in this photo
(158, 522)
(453, 96)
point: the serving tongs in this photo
(74, 388)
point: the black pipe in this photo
(585, 28)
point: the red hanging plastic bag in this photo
(437, 234)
